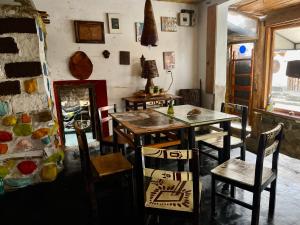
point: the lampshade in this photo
(149, 69)
(293, 69)
(149, 35)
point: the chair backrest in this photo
(239, 110)
(269, 144)
(83, 152)
(190, 96)
(104, 119)
(156, 174)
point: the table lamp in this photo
(149, 71)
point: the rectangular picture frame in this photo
(168, 24)
(169, 60)
(89, 31)
(138, 31)
(114, 23)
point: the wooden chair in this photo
(167, 192)
(98, 167)
(190, 96)
(216, 143)
(105, 119)
(251, 177)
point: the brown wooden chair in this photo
(251, 177)
(105, 124)
(190, 96)
(164, 192)
(236, 141)
(96, 168)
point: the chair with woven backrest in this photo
(251, 177)
(166, 192)
(105, 138)
(236, 141)
(190, 96)
(97, 167)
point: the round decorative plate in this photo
(80, 65)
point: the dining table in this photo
(194, 116)
(137, 125)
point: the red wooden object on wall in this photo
(100, 97)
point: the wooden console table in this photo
(133, 102)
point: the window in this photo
(285, 90)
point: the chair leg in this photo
(243, 152)
(256, 207)
(272, 199)
(213, 195)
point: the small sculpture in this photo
(106, 54)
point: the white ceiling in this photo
(292, 34)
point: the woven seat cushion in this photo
(218, 141)
(170, 195)
(241, 171)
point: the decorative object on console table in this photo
(149, 72)
(169, 60)
(89, 32)
(124, 58)
(149, 35)
(114, 23)
(80, 65)
(168, 24)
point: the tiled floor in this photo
(64, 201)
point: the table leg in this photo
(144, 105)
(135, 106)
(191, 137)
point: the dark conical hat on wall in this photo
(149, 34)
(80, 65)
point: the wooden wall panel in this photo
(211, 48)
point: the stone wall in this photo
(27, 129)
(291, 141)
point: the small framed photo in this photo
(169, 60)
(184, 19)
(114, 23)
(138, 31)
(89, 32)
(169, 24)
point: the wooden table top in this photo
(147, 121)
(206, 116)
(138, 99)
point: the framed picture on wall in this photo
(114, 23)
(139, 30)
(169, 24)
(169, 60)
(89, 32)
(184, 19)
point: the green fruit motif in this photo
(3, 171)
(56, 157)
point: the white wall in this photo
(121, 80)
(282, 43)
(297, 46)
